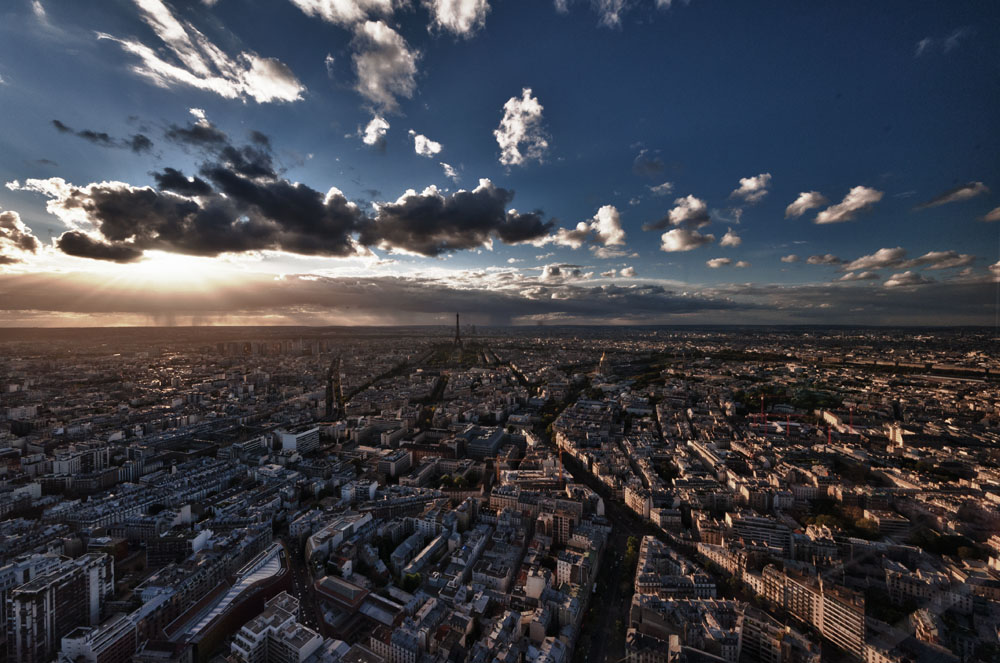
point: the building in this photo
(302, 440)
(275, 635)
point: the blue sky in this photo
(699, 120)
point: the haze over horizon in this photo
(391, 162)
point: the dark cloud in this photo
(238, 202)
(171, 179)
(200, 134)
(9, 260)
(261, 139)
(77, 244)
(431, 223)
(13, 233)
(647, 164)
(138, 143)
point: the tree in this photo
(447, 481)
(461, 482)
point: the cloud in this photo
(460, 17)
(791, 257)
(610, 274)
(81, 245)
(716, 263)
(683, 239)
(562, 6)
(385, 65)
(906, 279)
(236, 204)
(954, 37)
(521, 134)
(430, 223)
(885, 257)
(499, 298)
(15, 237)
(958, 194)
(607, 226)
(647, 164)
(138, 143)
(346, 12)
(752, 189)
(610, 12)
(806, 201)
(450, 172)
(941, 260)
(995, 269)
(423, 145)
(662, 189)
(192, 59)
(992, 215)
(604, 230)
(858, 199)
(825, 259)
(922, 46)
(39, 11)
(730, 239)
(628, 272)
(688, 212)
(374, 132)
(859, 276)
(741, 264)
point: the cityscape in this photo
(543, 495)
(499, 331)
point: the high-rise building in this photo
(55, 603)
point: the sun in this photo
(162, 271)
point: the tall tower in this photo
(458, 335)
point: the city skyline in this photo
(380, 162)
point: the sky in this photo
(533, 162)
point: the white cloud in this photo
(39, 10)
(628, 272)
(604, 229)
(610, 12)
(858, 276)
(752, 189)
(922, 46)
(885, 257)
(385, 65)
(346, 12)
(689, 211)
(730, 239)
(683, 239)
(941, 260)
(462, 17)
(199, 63)
(562, 6)
(791, 257)
(610, 274)
(715, 263)
(958, 194)
(995, 270)
(521, 136)
(806, 201)
(423, 145)
(906, 278)
(511, 261)
(375, 130)
(857, 200)
(741, 264)
(662, 189)
(199, 114)
(450, 172)
(328, 62)
(825, 259)
(607, 226)
(992, 215)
